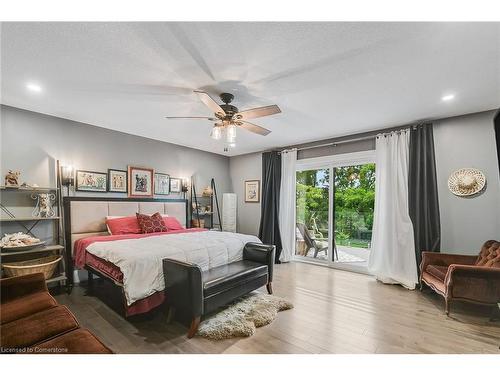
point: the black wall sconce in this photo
(185, 186)
(67, 176)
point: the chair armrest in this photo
(440, 259)
(19, 286)
(183, 286)
(455, 270)
(260, 253)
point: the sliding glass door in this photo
(353, 213)
(334, 210)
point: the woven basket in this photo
(195, 224)
(45, 265)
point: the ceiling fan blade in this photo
(191, 118)
(209, 102)
(258, 112)
(253, 128)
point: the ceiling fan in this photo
(227, 117)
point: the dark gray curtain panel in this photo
(422, 191)
(497, 136)
(269, 230)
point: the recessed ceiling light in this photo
(33, 87)
(447, 98)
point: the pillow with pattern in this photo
(151, 224)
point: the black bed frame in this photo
(67, 232)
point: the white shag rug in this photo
(243, 317)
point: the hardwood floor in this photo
(335, 312)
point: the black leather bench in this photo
(192, 293)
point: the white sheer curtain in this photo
(392, 257)
(287, 204)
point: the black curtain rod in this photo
(360, 137)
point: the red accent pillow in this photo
(151, 224)
(124, 225)
(172, 223)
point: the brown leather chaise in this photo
(32, 321)
(470, 278)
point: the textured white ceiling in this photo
(329, 79)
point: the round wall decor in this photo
(466, 181)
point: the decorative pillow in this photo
(172, 223)
(151, 224)
(123, 225)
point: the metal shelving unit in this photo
(209, 200)
(57, 248)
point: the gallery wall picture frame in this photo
(91, 181)
(252, 191)
(117, 181)
(162, 184)
(140, 182)
(175, 185)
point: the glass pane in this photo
(312, 214)
(354, 204)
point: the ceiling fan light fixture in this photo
(216, 133)
(231, 133)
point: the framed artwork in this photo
(175, 185)
(140, 182)
(252, 191)
(162, 184)
(91, 181)
(117, 181)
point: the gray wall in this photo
(460, 142)
(32, 142)
(246, 167)
(465, 141)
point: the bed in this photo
(133, 262)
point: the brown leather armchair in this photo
(468, 278)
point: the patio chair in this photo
(313, 242)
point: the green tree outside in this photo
(354, 203)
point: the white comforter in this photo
(140, 260)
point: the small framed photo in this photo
(117, 181)
(91, 181)
(140, 182)
(175, 185)
(252, 191)
(162, 184)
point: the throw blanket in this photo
(140, 260)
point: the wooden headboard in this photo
(86, 216)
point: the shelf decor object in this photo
(43, 206)
(12, 179)
(46, 265)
